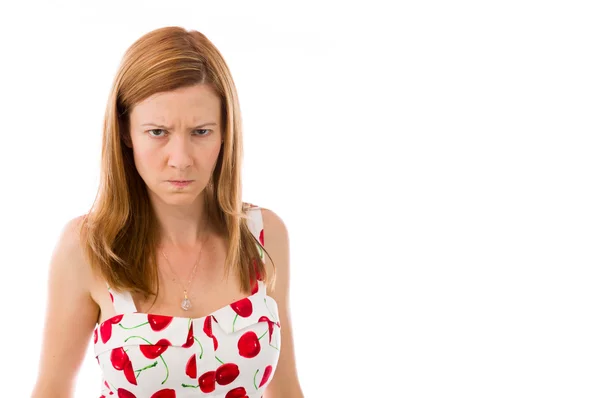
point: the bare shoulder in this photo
(70, 314)
(276, 242)
(69, 246)
(273, 222)
(92, 283)
(285, 382)
(70, 232)
(275, 236)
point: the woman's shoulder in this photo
(71, 242)
(264, 216)
(72, 245)
(69, 271)
(70, 235)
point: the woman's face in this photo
(176, 135)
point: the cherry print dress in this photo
(230, 353)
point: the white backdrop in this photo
(436, 164)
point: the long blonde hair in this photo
(120, 233)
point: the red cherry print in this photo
(242, 307)
(255, 288)
(270, 323)
(105, 331)
(214, 319)
(208, 326)
(95, 335)
(215, 343)
(227, 373)
(111, 297)
(190, 367)
(261, 237)
(190, 338)
(248, 345)
(159, 322)
(207, 381)
(166, 393)
(116, 319)
(149, 350)
(123, 393)
(128, 371)
(239, 392)
(152, 351)
(270, 331)
(119, 358)
(266, 375)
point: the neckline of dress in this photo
(137, 313)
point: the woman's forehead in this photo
(196, 105)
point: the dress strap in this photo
(262, 288)
(122, 301)
(255, 224)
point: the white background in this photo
(436, 164)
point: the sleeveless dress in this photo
(230, 353)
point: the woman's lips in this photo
(181, 183)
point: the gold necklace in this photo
(186, 303)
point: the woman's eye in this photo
(153, 135)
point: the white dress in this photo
(230, 353)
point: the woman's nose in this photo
(180, 152)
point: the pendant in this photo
(186, 304)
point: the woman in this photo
(167, 273)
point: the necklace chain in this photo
(193, 272)
(186, 304)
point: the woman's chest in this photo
(205, 288)
(200, 299)
(235, 348)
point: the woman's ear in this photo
(124, 132)
(126, 138)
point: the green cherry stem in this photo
(200, 344)
(166, 367)
(262, 335)
(189, 385)
(133, 327)
(255, 379)
(139, 337)
(223, 363)
(160, 356)
(233, 326)
(146, 367)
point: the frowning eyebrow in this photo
(169, 127)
